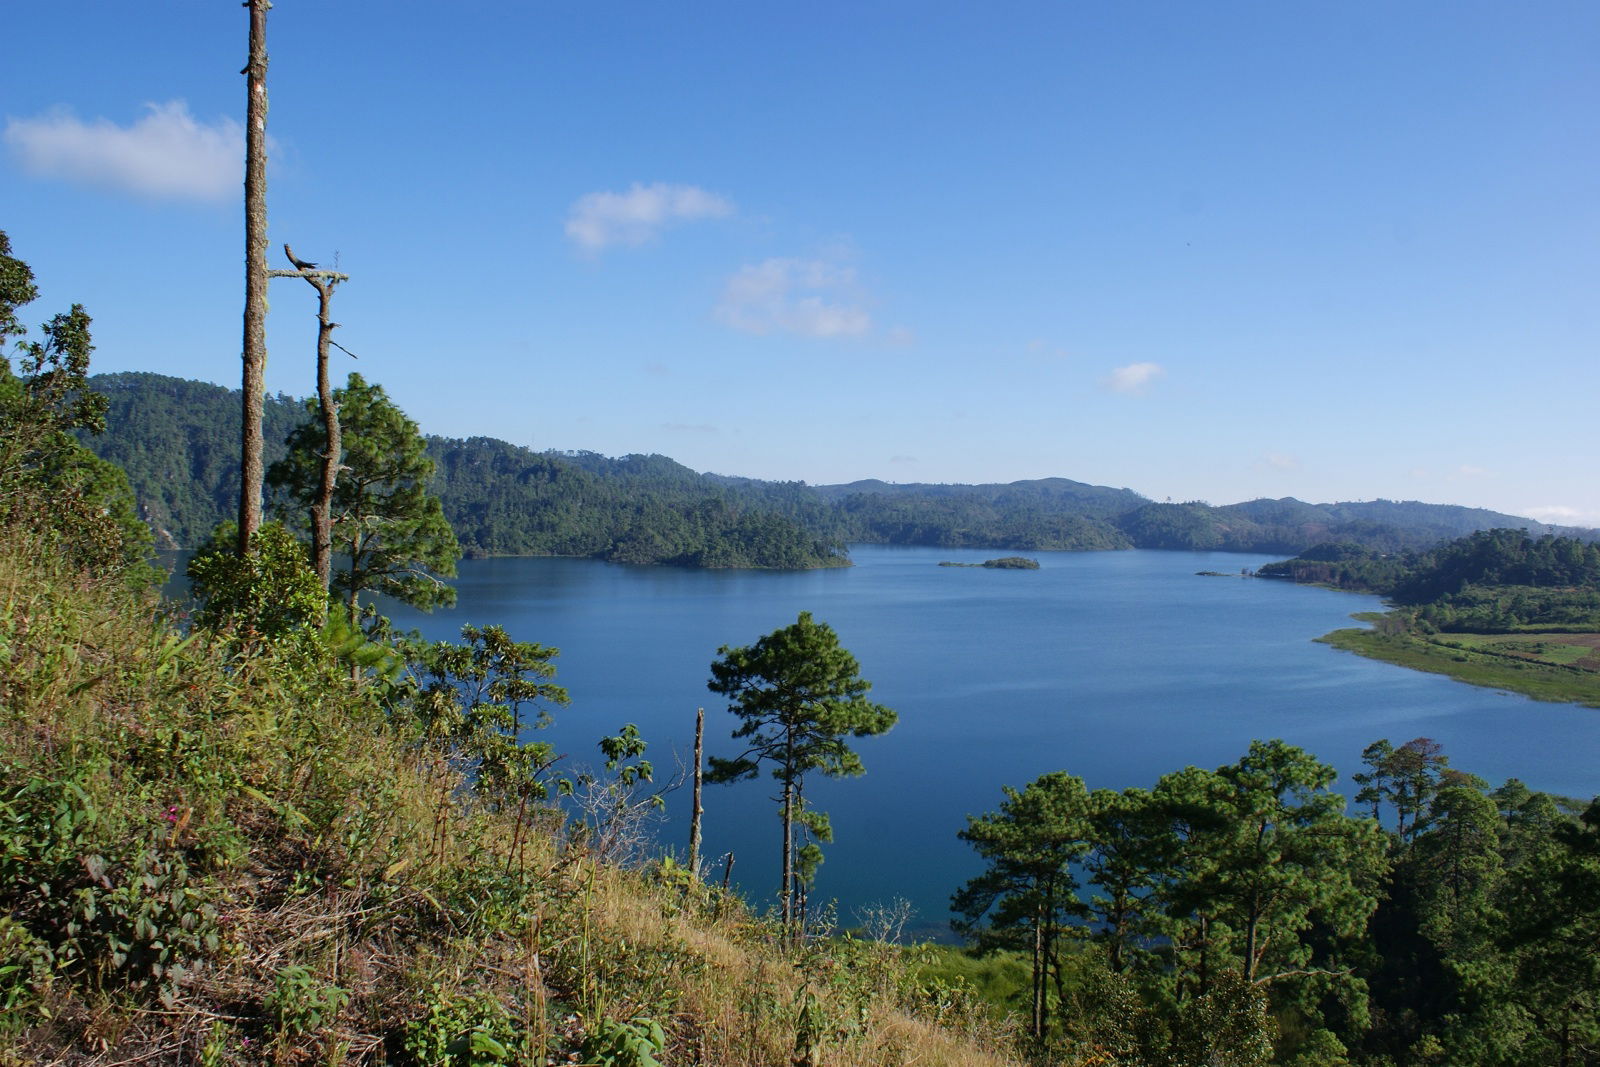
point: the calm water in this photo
(1115, 666)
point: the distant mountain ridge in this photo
(178, 441)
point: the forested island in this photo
(177, 441)
(1004, 563)
(1500, 608)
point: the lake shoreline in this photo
(1548, 683)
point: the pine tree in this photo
(798, 695)
(389, 531)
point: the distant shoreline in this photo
(1540, 681)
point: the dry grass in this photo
(330, 852)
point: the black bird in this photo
(299, 264)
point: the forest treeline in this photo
(177, 440)
(1243, 916)
(1491, 581)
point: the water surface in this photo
(1115, 666)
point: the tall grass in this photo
(224, 853)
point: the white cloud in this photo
(1467, 470)
(809, 297)
(1280, 461)
(901, 336)
(1133, 378)
(1562, 515)
(165, 154)
(600, 220)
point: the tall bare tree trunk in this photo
(322, 509)
(255, 277)
(788, 861)
(695, 810)
(1038, 974)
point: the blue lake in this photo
(1115, 666)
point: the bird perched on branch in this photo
(299, 264)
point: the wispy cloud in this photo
(600, 220)
(809, 297)
(1467, 470)
(1562, 515)
(167, 153)
(1133, 378)
(1281, 461)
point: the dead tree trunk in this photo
(322, 510)
(255, 277)
(324, 282)
(695, 810)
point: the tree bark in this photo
(787, 884)
(251, 470)
(695, 810)
(1037, 996)
(322, 508)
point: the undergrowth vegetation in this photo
(221, 847)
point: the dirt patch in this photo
(1581, 640)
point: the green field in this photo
(1581, 651)
(1556, 667)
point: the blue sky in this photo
(1204, 251)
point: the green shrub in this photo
(24, 974)
(635, 1043)
(301, 1003)
(270, 592)
(462, 1028)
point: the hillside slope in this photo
(230, 853)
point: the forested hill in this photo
(506, 500)
(1057, 513)
(178, 440)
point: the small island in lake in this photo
(1004, 563)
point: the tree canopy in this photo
(798, 694)
(50, 484)
(388, 529)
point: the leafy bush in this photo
(301, 1003)
(635, 1043)
(141, 922)
(269, 592)
(458, 1027)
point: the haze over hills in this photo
(178, 441)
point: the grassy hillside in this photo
(225, 851)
